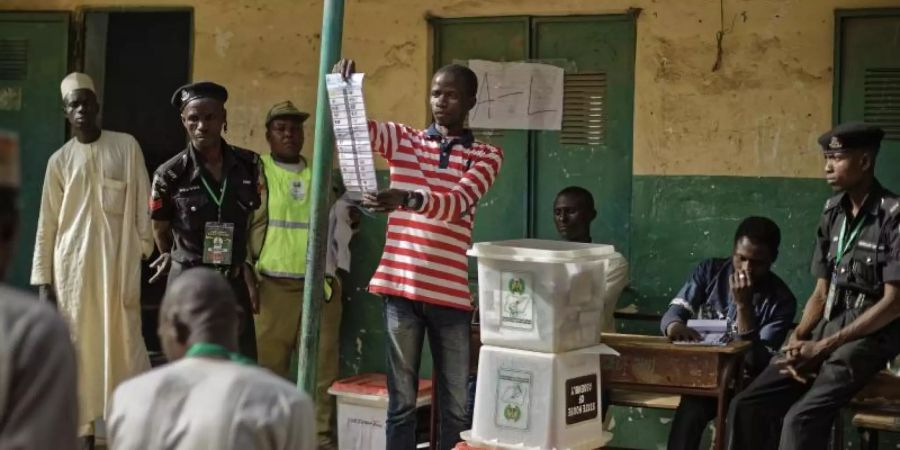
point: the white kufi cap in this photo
(75, 81)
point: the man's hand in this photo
(162, 266)
(47, 294)
(803, 358)
(741, 287)
(387, 200)
(677, 331)
(345, 67)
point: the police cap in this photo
(851, 136)
(285, 109)
(193, 91)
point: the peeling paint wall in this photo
(262, 51)
(758, 115)
(710, 146)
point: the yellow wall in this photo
(758, 115)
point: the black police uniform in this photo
(183, 200)
(778, 412)
(185, 194)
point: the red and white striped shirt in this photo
(425, 252)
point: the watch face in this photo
(412, 202)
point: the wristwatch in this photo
(412, 201)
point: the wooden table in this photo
(653, 364)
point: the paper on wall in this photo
(517, 95)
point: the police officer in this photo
(850, 327)
(203, 201)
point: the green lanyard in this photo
(844, 246)
(218, 201)
(207, 349)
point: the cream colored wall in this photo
(263, 51)
(758, 115)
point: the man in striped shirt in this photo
(437, 177)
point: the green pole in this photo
(313, 289)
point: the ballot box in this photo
(539, 295)
(362, 403)
(534, 400)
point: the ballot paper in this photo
(713, 332)
(351, 134)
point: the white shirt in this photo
(202, 403)
(38, 400)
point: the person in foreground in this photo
(38, 396)
(438, 175)
(850, 327)
(209, 396)
(744, 290)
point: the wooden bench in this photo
(636, 399)
(877, 408)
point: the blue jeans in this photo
(406, 323)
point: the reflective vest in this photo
(283, 252)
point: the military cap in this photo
(193, 91)
(851, 136)
(285, 109)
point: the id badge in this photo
(830, 298)
(218, 240)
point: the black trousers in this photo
(778, 412)
(691, 418)
(247, 333)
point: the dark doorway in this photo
(138, 59)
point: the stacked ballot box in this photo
(541, 313)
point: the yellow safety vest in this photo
(283, 252)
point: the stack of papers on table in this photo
(713, 332)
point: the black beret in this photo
(202, 89)
(851, 136)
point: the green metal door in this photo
(598, 54)
(594, 148)
(867, 82)
(33, 55)
(503, 212)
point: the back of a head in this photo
(760, 230)
(199, 304)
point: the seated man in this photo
(209, 396)
(850, 327)
(744, 291)
(573, 212)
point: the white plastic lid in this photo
(540, 250)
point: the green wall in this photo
(676, 222)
